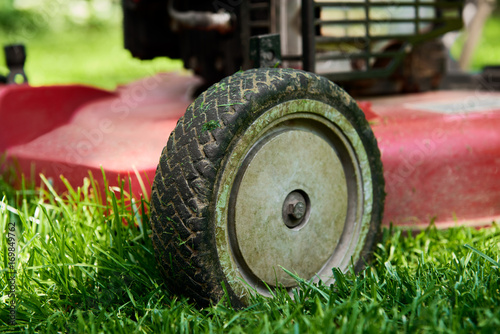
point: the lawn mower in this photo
(274, 171)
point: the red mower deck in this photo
(440, 150)
(441, 157)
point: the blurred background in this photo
(73, 41)
(81, 41)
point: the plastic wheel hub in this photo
(289, 160)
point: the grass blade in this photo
(484, 256)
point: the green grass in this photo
(86, 264)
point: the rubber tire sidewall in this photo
(231, 105)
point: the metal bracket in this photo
(15, 57)
(265, 50)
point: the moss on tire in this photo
(186, 186)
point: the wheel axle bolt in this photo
(297, 210)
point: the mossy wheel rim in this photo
(297, 147)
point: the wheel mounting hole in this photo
(296, 209)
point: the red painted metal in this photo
(441, 157)
(440, 150)
(122, 132)
(28, 112)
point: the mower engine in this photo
(354, 43)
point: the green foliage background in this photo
(80, 41)
(74, 42)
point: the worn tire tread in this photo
(183, 188)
